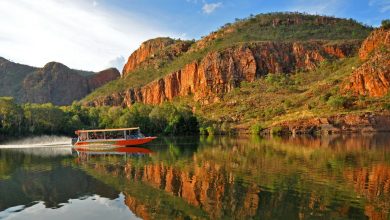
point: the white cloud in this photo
(384, 5)
(118, 63)
(210, 8)
(71, 32)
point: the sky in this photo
(97, 34)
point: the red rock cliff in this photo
(372, 78)
(155, 48)
(102, 77)
(221, 71)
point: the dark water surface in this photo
(333, 177)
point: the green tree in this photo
(386, 23)
(11, 116)
(44, 118)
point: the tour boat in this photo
(110, 138)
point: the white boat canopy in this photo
(104, 130)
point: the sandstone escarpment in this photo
(161, 48)
(221, 71)
(377, 39)
(11, 78)
(54, 83)
(102, 77)
(372, 78)
(60, 85)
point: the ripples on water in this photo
(345, 177)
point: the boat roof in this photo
(102, 130)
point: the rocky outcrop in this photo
(220, 72)
(377, 39)
(60, 85)
(55, 82)
(151, 51)
(372, 78)
(343, 123)
(11, 78)
(101, 78)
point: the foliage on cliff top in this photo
(386, 24)
(288, 27)
(262, 27)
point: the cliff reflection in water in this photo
(295, 178)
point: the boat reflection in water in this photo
(85, 153)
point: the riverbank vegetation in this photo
(37, 119)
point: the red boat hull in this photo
(121, 142)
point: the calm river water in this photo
(333, 177)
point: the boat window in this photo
(115, 135)
(96, 135)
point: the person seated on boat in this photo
(140, 135)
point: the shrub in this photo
(288, 103)
(386, 23)
(386, 106)
(277, 130)
(210, 130)
(337, 102)
(202, 131)
(256, 128)
(326, 97)
(226, 128)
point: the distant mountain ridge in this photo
(55, 82)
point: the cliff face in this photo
(372, 78)
(220, 72)
(58, 84)
(55, 82)
(102, 77)
(11, 77)
(149, 51)
(378, 38)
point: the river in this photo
(331, 177)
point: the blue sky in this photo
(96, 34)
(190, 18)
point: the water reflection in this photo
(219, 177)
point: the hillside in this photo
(287, 28)
(55, 82)
(349, 94)
(276, 70)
